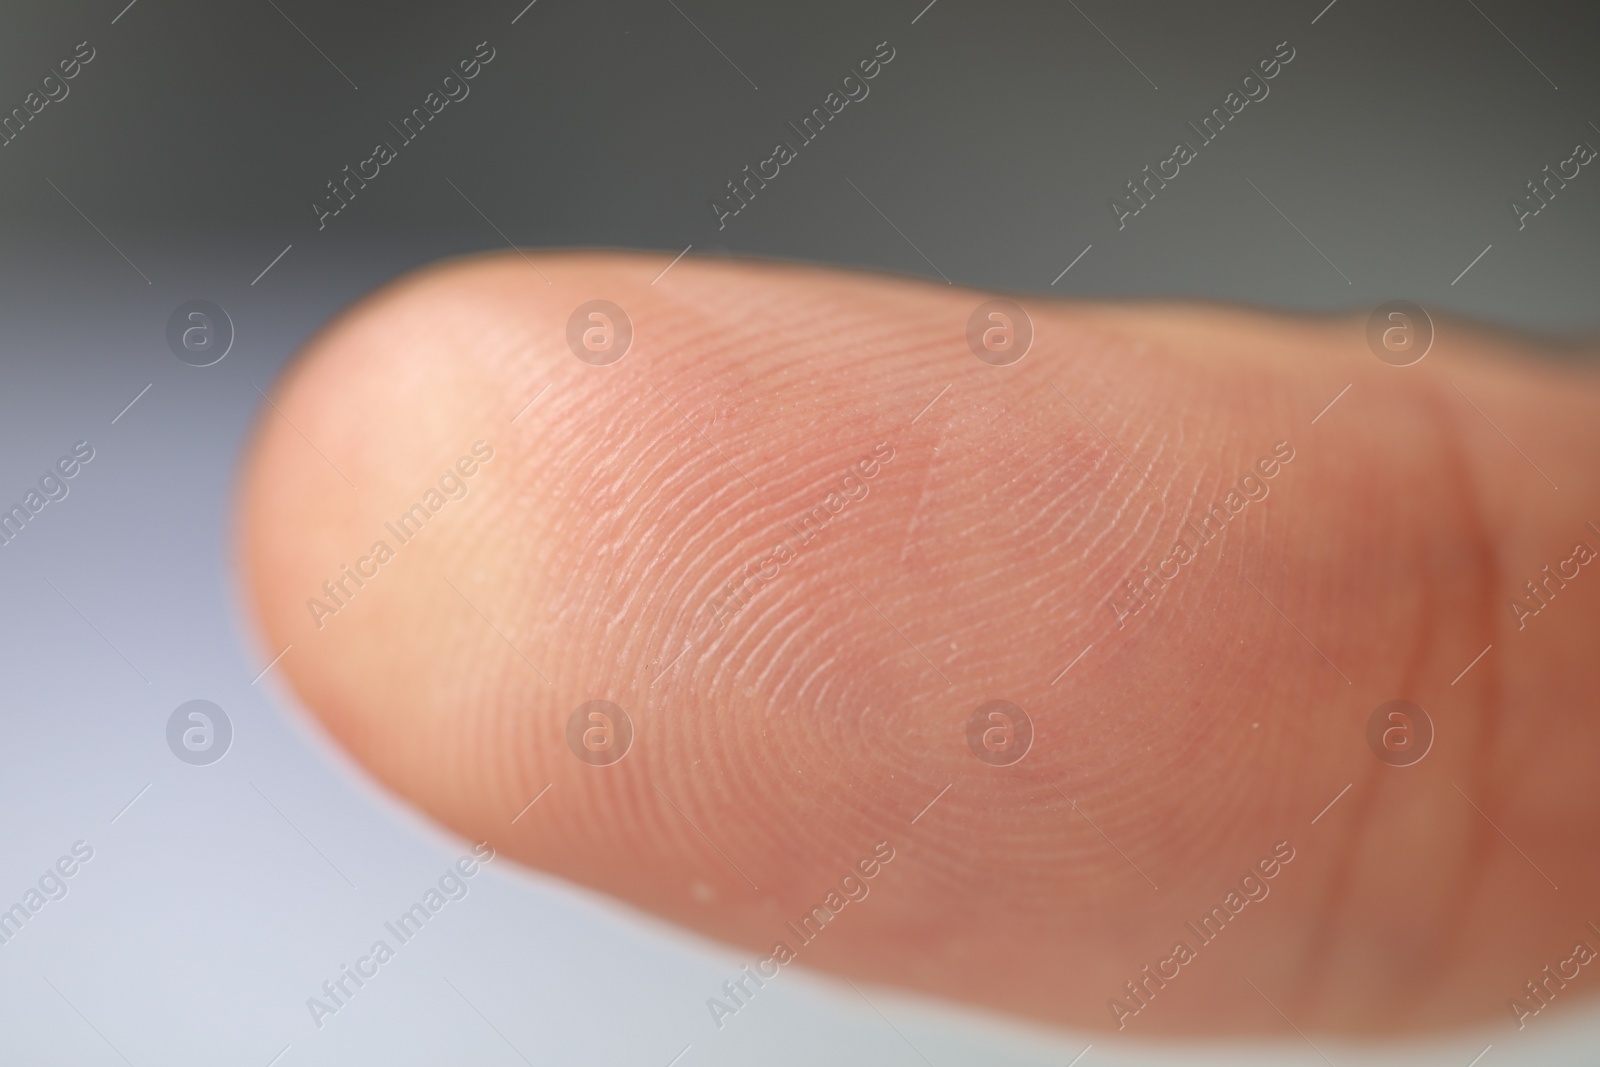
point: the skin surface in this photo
(590, 555)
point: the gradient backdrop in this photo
(186, 156)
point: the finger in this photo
(800, 535)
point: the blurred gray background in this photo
(182, 164)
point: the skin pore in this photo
(1174, 749)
